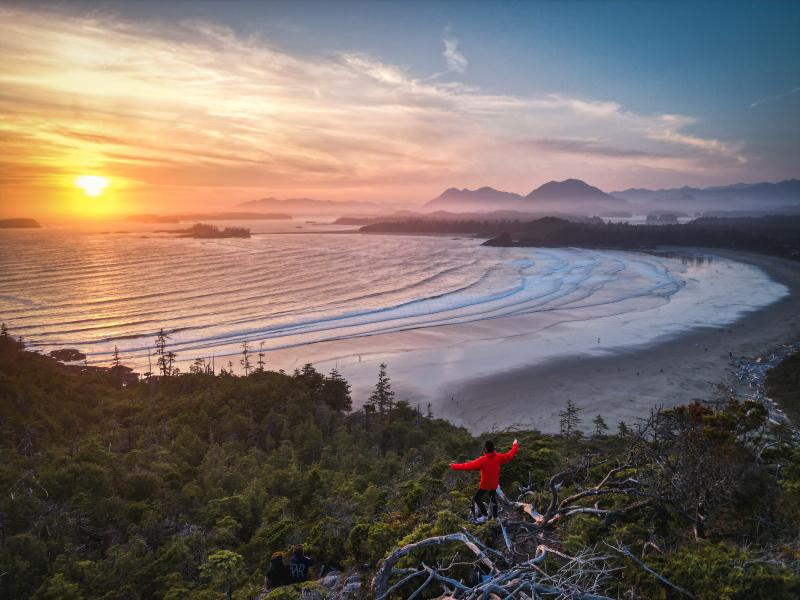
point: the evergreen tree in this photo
(163, 362)
(569, 420)
(223, 568)
(336, 392)
(198, 366)
(3, 331)
(382, 397)
(149, 372)
(623, 429)
(170, 361)
(261, 355)
(245, 361)
(600, 427)
(115, 362)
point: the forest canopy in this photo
(184, 485)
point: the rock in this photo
(330, 580)
(19, 224)
(502, 240)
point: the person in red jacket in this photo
(489, 466)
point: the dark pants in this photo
(478, 500)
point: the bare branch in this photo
(661, 578)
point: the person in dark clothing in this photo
(278, 574)
(489, 466)
(299, 564)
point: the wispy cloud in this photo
(669, 128)
(766, 99)
(453, 57)
(193, 111)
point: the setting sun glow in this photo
(92, 185)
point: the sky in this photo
(193, 106)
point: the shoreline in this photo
(627, 384)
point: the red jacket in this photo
(489, 466)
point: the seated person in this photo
(299, 564)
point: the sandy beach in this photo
(624, 386)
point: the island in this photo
(206, 231)
(19, 224)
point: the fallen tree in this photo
(681, 464)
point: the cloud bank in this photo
(194, 113)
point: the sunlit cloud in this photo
(193, 114)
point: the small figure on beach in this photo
(489, 466)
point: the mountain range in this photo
(578, 197)
(570, 195)
(740, 197)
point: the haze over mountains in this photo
(571, 196)
(783, 196)
(576, 196)
(312, 207)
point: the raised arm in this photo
(507, 456)
(472, 465)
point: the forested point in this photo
(184, 485)
(777, 235)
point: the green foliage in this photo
(58, 588)
(184, 488)
(723, 571)
(223, 568)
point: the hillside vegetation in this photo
(776, 235)
(183, 487)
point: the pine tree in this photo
(3, 331)
(170, 362)
(569, 420)
(429, 412)
(382, 397)
(149, 373)
(198, 366)
(623, 429)
(115, 362)
(162, 362)
(336, 391)
(245, 361)
(261, 355)
(600, 427)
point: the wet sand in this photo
(626, 385)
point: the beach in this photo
(490, 337)
(624, 386)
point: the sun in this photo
(92, 185)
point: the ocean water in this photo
(437, 309)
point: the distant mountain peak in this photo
(567, 188)
(568, 195)
(466, 199)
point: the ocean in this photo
(435, 309)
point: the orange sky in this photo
(194, 117)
